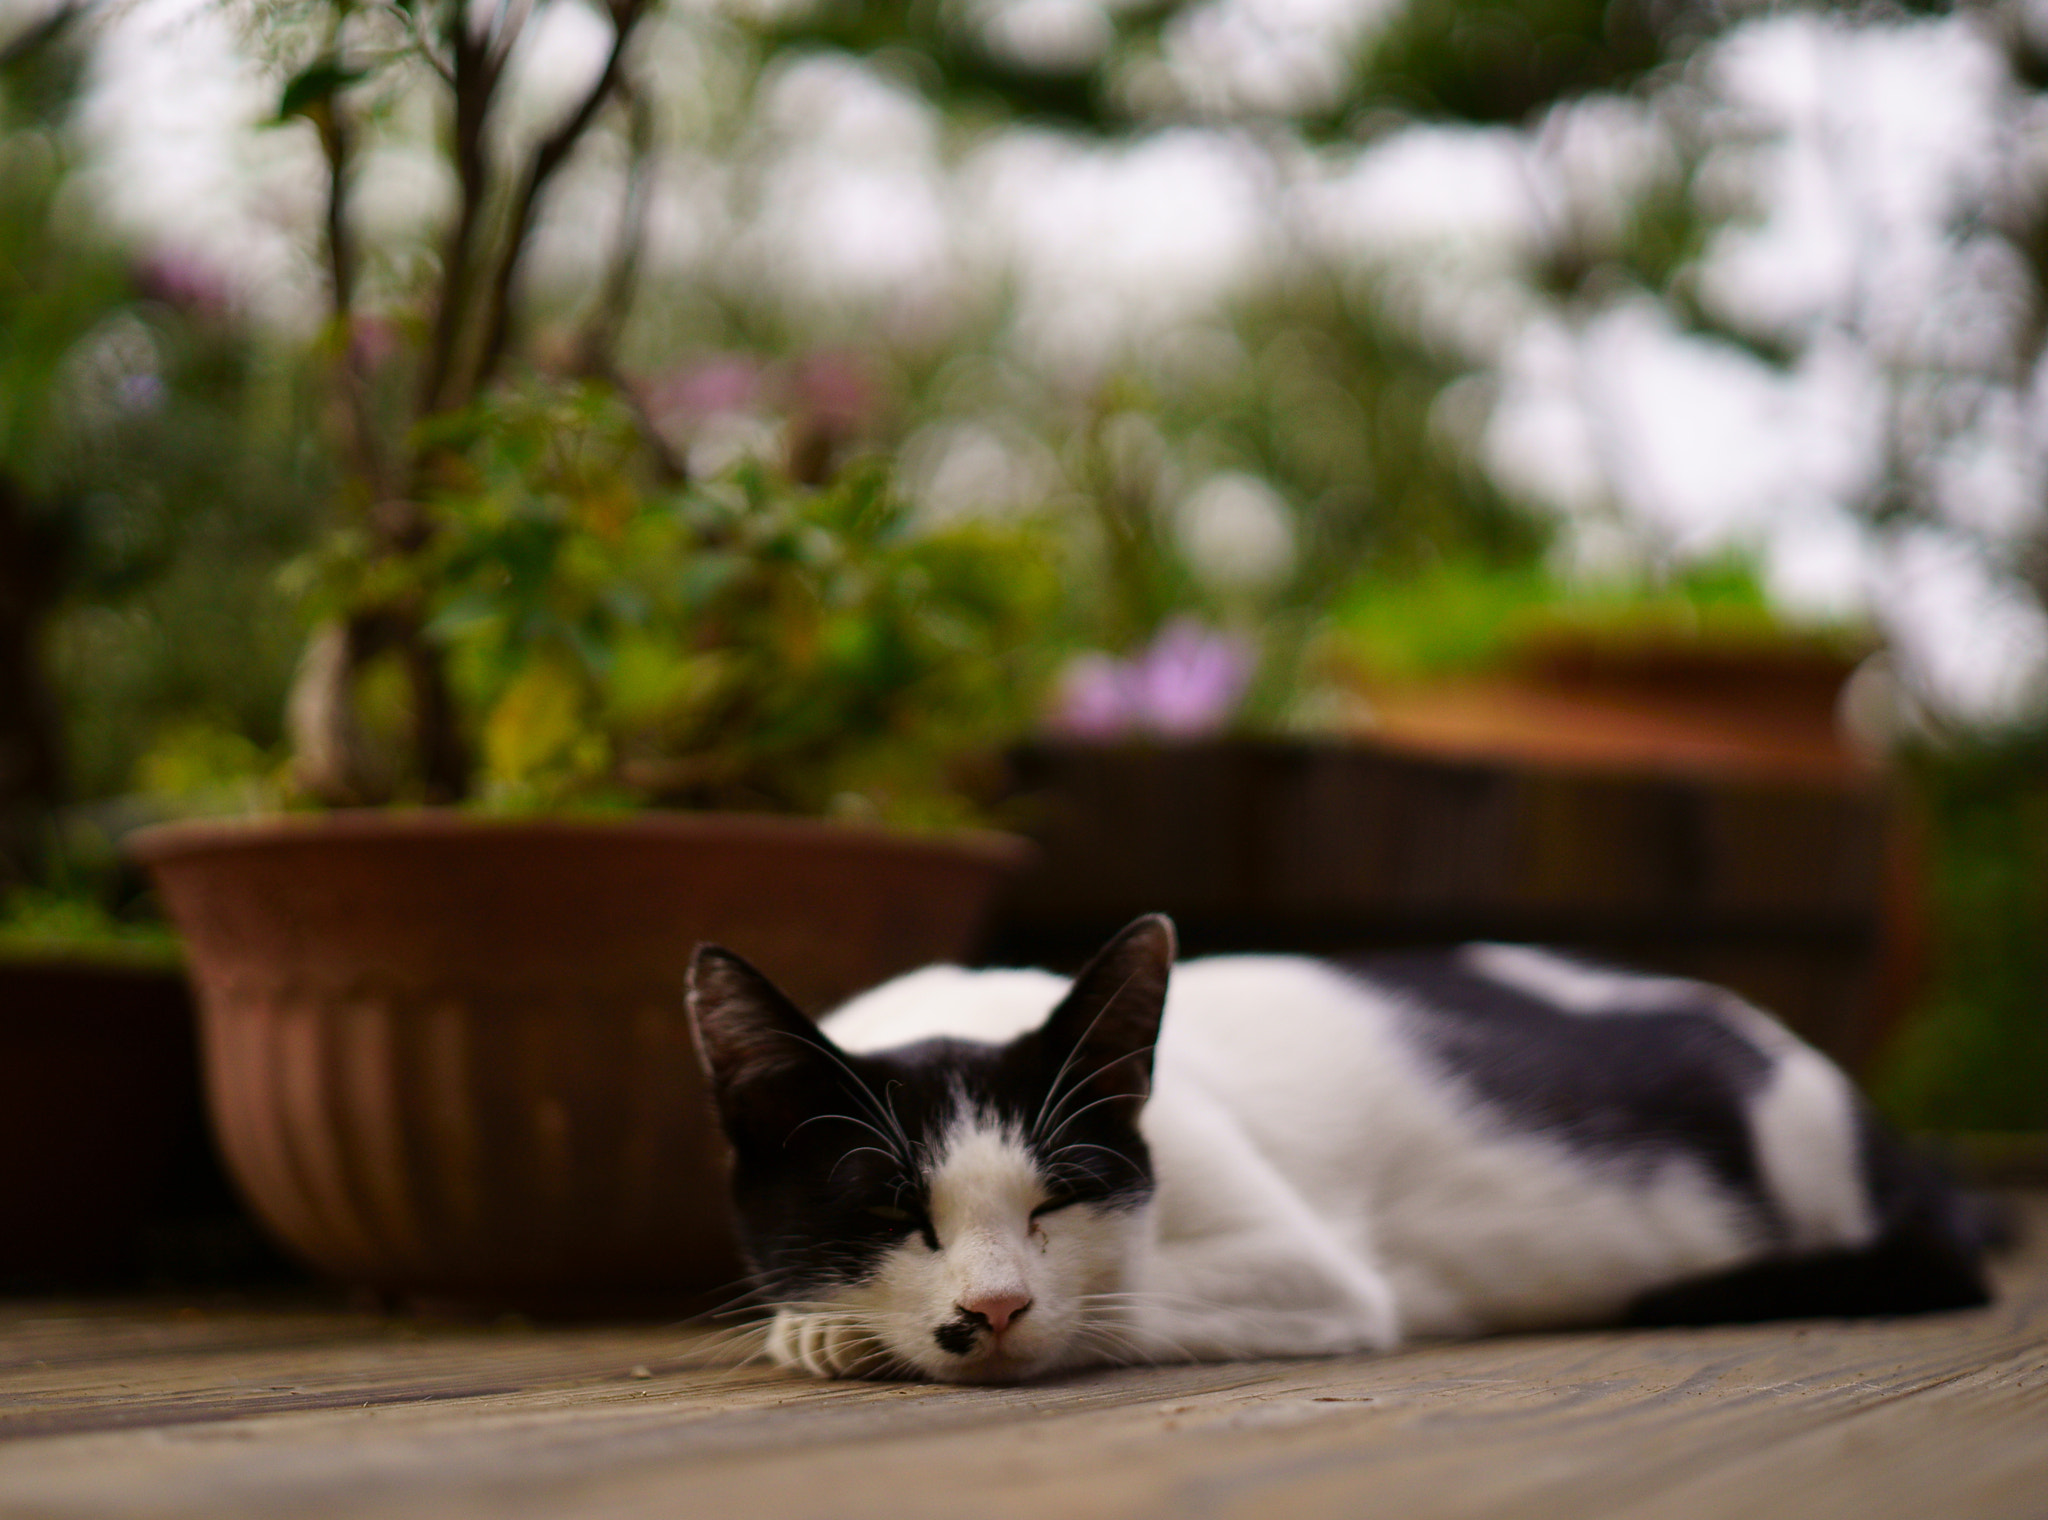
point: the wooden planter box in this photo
(1780, 888)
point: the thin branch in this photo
(337, 146)
(548, 157)
(614, 299)
(597, 346)
(474, 83)
(415, 22)
(507, 22)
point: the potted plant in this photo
(1655, 778)
(446, 1047)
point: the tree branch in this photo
(621, 279)
(415, 22)
(597, 345)
(474, 77)
(337, 144)
(548, 157)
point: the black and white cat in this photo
(991, 1175)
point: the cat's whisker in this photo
(1080, 1086)
(887, 1115)
(1149, 1297)
(859, 1150)
(896, 1122)
(836, 1118)
(747, 1300)
(1125, 1349)
(1075, 1053)
(1082, 1145)
(717, 1349)
(1086, 1107)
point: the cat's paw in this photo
(825, 1345)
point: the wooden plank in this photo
(392, 1421)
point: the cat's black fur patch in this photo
(958, 1335)
(1928, 1255)
(1630, 1086)
(1676, 1078)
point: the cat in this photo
(988, 1176)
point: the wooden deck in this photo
(188, 1409)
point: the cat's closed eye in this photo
(904, 1221)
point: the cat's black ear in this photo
(768, 1064)
(1103, 1031)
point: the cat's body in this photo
(1317, 1159)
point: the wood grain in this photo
(162, 1410)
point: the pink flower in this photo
(1189, 681)
(186, 282)
(1093, 700)
(836, 390)
(729, 383)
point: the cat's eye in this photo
(1054, 1205)
(891, 1213)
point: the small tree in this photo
(470, 317)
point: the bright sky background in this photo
(1851, 152)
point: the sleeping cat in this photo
(986, 1176)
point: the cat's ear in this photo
(770, 1067)
(1102, 1033)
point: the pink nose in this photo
(998, 1308)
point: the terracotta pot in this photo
(449, 1058)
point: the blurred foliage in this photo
(59, 280)
(1974, 1054)
(45, 922)
(1331, 413)
(744, 642)
(154, 471)
(945, 50)
(1459, 615)
(1507, 62)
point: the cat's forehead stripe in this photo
(982, 1164)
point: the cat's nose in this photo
(998, 1309)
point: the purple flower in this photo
(186, 282)
(372, 342)
(1187, 682)
(835, 390)
(1191, 679)
(730, 383)
(1094, 699)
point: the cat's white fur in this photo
(1318, 1187)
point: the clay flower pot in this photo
(448, 1057)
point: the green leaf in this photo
(535, 723)
(315, 86)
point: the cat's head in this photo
(947, 1209)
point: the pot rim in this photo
(159, 843)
